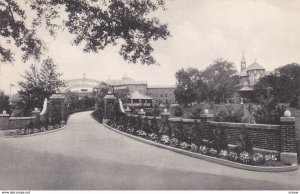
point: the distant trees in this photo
(95, 24)
(38, 84)
(284, 84)
(216, 83)
(4, 102)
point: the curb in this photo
(34, 134)
(293, 167)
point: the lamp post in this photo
(11, 85)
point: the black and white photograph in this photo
(149, 95)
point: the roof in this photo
(161, 86)
(243, 73)
(138, 96)
(255, 66)
(125, 81)
(245, 89)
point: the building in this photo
(162, 94)
(250, 75)
(129, 83)
(138, 100)
(82, 86)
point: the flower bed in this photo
(255, 159)
(26, 131)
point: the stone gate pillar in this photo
(4, 121)
(109, 107)
(288, 139)
(57, 108)
(206, 133)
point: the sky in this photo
(202, 31)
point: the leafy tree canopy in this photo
(38, 84)
(4, 102)
(95, 24)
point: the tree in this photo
(95, 24)
(221, 79)
(284, 84)
(186, 91)
(4, 102)
(38, 84)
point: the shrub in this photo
(165, 139)
(153, 136)
(203, 149)
(183, 145)
(223, 154)
(193, 147)
(141, 133)
(174, 142)
(257, 158)
(245, 157)
(271, 159)
(233, 156)
(130, 129)
(212, 152)
(178, 112)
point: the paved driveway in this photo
(86, 155)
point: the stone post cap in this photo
(127, 109)
(165, 110)
(4, 114)
(287, 113)
(287, 119)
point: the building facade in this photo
(162, 94)
(250, 75)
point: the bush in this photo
(203, 149)
(212, 152)
(178, 112)
(233, 156)
(141, 133)
(269, 112)
(165, 139)
(184, 145)
(257, 159)
(98, 115)
(174, 142)
(245, 157)
(193, 147)
(223, 154)
(153, 136)
(271, 159)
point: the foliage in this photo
(174, 142)
(271, 159)
(221, 78)
(219, 139)
(212, 152)
(233, 156)
(269, 112)
(244, 142)
(153, 136)
(185, 91)
(98, 114)
(38, 84)
(4, 102)
(165, 139)
(257, 159)
(193, 147)
(77, 103)
(245, 157)
(203, 149)
(95, 24)
(284, 84)
(178, 111)
(223, 154)
(141, 133)
(183, 145)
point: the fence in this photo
(279, 139)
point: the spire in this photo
(243, 62)
(243, 57)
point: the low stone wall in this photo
(267, 138)
(21, 122)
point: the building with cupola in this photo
(250, 75)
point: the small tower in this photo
(243, 62)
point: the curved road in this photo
(87, 155)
